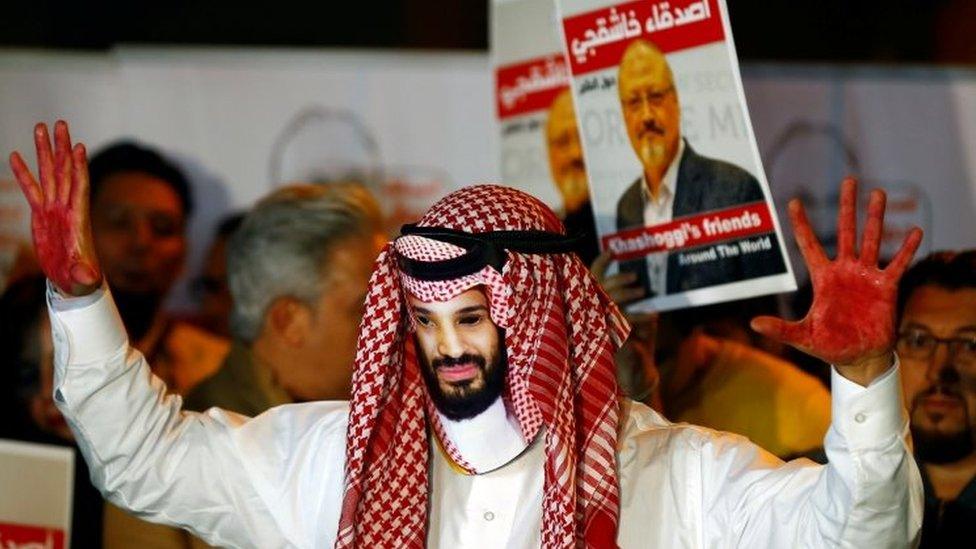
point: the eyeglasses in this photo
(921, 346)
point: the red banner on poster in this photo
(530, 85)
(694, 231)
(35, 537)
(597, 39)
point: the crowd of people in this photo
(282, 301)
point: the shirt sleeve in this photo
(146, 455)
(868, 495)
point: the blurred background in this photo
(399, 95)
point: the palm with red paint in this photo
(60, 221)
(851, 323)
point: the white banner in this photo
(36, 485)
(420, 124)
(911, 131)
(432, 118)
(539, 145)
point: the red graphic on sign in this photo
(597, 39)
(530, 85)
(691, 231)
(14, 536)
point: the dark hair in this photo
(945, 269)
(127, 156)
(229, 223)
(21, 308)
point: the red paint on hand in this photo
(851, 321)
(59, 211)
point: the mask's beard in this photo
(466, 403)
(138, 310)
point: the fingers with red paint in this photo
(45, 160)
(28, 185)
(79, 189)
(813, 252)
(847, 219)
(903, 258)
(781, 330)
(871, 239)
(60, 222)
(851, 320)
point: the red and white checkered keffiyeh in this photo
(561, 334)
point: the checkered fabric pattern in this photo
(561, 334)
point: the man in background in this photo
(141, 203)
(211, 286)
(937, 348)
(298, 268)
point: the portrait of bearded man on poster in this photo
(568, 171)
(676, 181)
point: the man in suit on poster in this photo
(676, 181)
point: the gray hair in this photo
(281, 247)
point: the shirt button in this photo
(489, 516)
(860, 417)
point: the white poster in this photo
(683, 207)
(540, 149)
(531, 79)
(36, 483)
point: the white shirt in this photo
(494, 425)
(277, 480)
(659, 210)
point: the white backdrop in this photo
(219, 111)
(912, 130)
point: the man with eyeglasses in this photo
(676, 181)
(937, 347)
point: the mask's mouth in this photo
(481, 250)
(459, 374)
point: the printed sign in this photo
(675, 179)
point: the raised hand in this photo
(851, 323)
(638, 351)
(621, 287)
(60, 221)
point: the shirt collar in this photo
(670, 180)
(487, 441)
